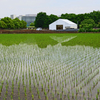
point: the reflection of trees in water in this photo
(43, 42)
(40, 39)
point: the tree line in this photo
(84, 21)
(43, 20)
(95, 15)
(8, 23)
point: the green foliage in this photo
(81, 30)
(47, 22)
(8, 23)
(32, 24)
(88, 30)
(98, 25)
(95, 15)
(71, 17)
(23, 24)
(43, 20)
(6, 19)
(53, 18)
(40, 19)
(95, 30)
(31, 27)
(16, 22)
(3, 25)
(87, 24)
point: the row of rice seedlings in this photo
(45, 74)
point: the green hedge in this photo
(88, 30)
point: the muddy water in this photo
(55, 72)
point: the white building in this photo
(20, 17)
(12, 16)
(62, 24)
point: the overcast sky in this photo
(57, 7)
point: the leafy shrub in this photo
(88, 30)
(81, 30)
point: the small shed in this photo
(62, 24)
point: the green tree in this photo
(40, 20)
(3, 25)
(98, 25)
(23, 24)
(53, 18)
(47, 21)
(9, 22)
(80, 18)
(95, 15)
(43, 20)
(16, 22)
(87, 24)
(6, 19)
(32, 24)
(71, 17)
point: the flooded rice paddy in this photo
(57, 72)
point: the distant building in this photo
(12, 16)
(62, 24)
(20, 17)
(29, 18)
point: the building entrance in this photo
(59, 27)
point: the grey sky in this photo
(57, 7)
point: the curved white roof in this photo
(67, 21)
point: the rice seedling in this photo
(83, 92)
(98, 91)
(61, 96)
(18, 97)
(72, 94)
(68, 97)
(76, 91)
(32, 97)
(53, 95)
(4, 98)
(11, 97)
(96, 96)
(84, 98)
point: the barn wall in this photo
(74, 26)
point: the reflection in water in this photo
(70, 66)
(41, 40)
(63, 39)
